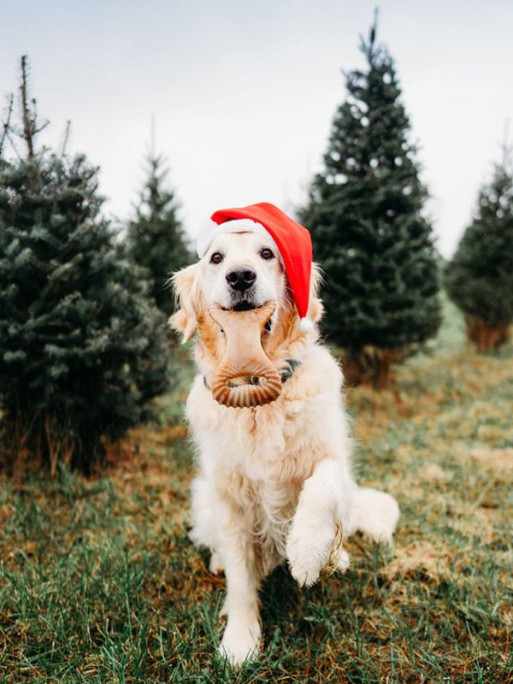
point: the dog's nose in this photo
(241, 277)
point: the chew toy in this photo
(245, 377)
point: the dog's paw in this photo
(216, 566)
(375, 514)
(308, 550)
(240, 643)
(340, 560)
(305, 571)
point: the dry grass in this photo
(99, 582)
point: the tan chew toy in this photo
(245, 377)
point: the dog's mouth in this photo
(244, 301)
(244, 306)
(250, 305)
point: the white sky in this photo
(244, 92)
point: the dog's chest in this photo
(261, 445)
(260, 465)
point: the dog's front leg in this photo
(324, 502)
(241, 637)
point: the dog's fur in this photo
(275, 483)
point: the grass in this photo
(99, 582)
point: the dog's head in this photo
(240, 271)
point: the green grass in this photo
(99, 582)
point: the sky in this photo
(243, 93)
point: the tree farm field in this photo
(100, 583)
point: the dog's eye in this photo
(267, 253)
(216, 258)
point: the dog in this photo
(275, 483)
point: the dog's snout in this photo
(241, 277)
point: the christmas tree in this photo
(156, 239)
(82, 349)
(479, 279)
(369, 233)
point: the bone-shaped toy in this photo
(245, 377)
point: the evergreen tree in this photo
(479, 279)
(82, 351)
(370, 237)
(156, 239)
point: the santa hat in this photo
(290, 239)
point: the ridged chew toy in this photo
(245, 377)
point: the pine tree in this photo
(82, 350)
(479, 279)
(156, 239)
(368, 230)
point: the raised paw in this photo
(308, 549)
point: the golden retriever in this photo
(274, 483)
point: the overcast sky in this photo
(243, 93)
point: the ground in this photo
(100, 583)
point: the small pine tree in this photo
(82, 350)
(368, 231)
(479, 279)
(156, 239)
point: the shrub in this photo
(368, 230)
(82, 349)
(479, 279)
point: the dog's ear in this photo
(185, 319)
(315, 307)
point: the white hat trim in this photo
(210, 229)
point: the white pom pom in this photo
(306, 325)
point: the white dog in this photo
(274, 483)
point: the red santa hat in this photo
(291, 240)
